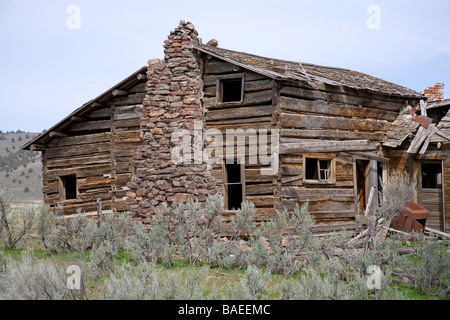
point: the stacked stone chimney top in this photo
(213, 43)
(434, 93)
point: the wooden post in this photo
(99, 212)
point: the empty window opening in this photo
(233, 186)
(318, 169)
(68, 187)
(431, 175)
(231, 90)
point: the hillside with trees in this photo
(20, 170)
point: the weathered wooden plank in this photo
(237, 122)
(79, 150)
(254, 175)
(290, 159)
(317, 122)
(291, 179)
(367, 101)
(127, 123)
(317, 192)
(130, 99)
(259, 189)
(99, 113)
(261, 201)
(217, 67)
(250, 98)
(333, 108)
(327, 146)
(265, 84)
(94, 182)
(336, 134)
(78, 140)
(76, 161)
(129, 115)
(90, 126)
(239, 113)
(128, 108)
(291, 171)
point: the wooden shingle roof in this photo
(289, 70)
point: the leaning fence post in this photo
(99, 212)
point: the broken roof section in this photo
(424, 128)
(306, 72)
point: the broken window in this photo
(68, 187)
(317, 169)
(233, 185)
(230, 90)
(431, 175)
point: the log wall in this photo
(98, 150)
(329, 115)
(258, 110)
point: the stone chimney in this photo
(172, 104)
(434, 93)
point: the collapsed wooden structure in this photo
(340, 133)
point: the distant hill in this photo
(20, 170)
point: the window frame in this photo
(319, 157)
(63, 188)
(225, 183)
(219, 88)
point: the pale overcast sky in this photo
(48, 69)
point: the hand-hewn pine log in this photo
(265, 84)
(302, 121)
(237, 122)
(259, 189)
(99, 113)
(336, 134)
(291, 171)
(334, 108)
(66, 141)
(327, 147)
(80, 150)
(77, 161)
(117, 92)
(295, 192)
(368, 102)
(37, 147)
(239, 113)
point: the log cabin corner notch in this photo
(340, 131)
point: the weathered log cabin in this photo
(88, 154)
(310, 133)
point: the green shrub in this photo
(31, 279)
